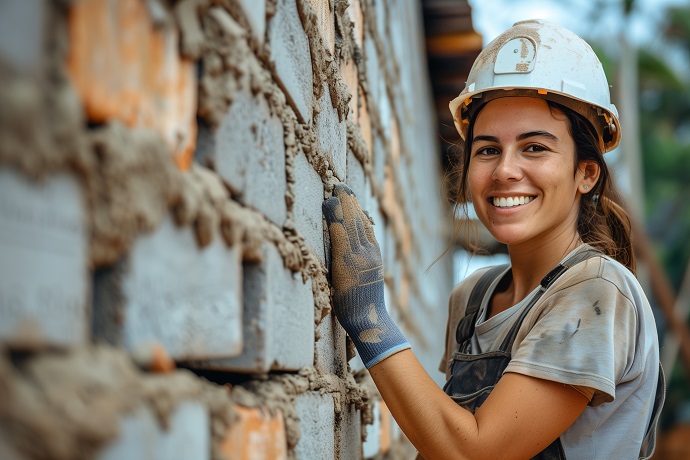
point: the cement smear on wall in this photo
(69, 405)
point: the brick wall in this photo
(163, 262)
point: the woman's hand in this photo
(357, 277)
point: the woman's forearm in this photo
(521, 417)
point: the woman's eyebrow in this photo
(520, 137)
(523, 136)
(485, 138)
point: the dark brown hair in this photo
(601, 222)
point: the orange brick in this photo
(385, 433)
(395, 140)
(255, 436)
(324, 14)
(348, 70)
(125, 68)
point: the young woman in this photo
(555, 355)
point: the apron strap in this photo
(466, 325)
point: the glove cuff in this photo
(391, 342)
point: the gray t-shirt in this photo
(593, 328)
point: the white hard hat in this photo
(541, 59)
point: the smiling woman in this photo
(554, 355)
(522, 150)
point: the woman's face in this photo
(522, 172)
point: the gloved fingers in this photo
(369, 229)
(333, 212)
(352, 216)
(363, 230)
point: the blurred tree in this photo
(665, 136)
(665, 118)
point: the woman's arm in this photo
(520, 418)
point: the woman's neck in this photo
(530, 264)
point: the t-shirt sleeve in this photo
(583, 335)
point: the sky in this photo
(491, 17)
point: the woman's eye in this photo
(487, 151)
(535, 148)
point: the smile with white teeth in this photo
(511, 201)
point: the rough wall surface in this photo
(163, 262)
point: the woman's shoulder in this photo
(604, 272)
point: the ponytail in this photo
(602, 222)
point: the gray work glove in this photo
(357, 277)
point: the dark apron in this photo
(473, 376)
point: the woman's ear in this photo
(587, 176)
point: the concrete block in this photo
(372, 445)
(137, 439)
(255, 10)
(379, 159)
(356, 179)
(292, 59)
(331, 133)
(380, 433)
(248, 151)
(316, 413)
(21, 34)
(278, 324)
(306, 210)
(389, 245)
(189, 433)
(141, 437)
(349, 429)
(330, 346)
(381, 16)
(385, 110)
(121, 87)
(171, 292)
(373, 70)
(396, 432)
(44, 278)
(391, 306)
(402, 33)
(374, 209)
(256, 435)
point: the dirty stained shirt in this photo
(592, 329)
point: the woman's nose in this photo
(508, 167)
